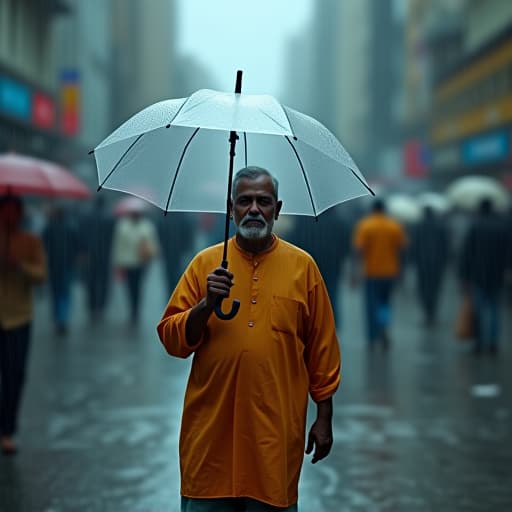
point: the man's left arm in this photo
(323, 361)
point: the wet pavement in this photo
(424, 427)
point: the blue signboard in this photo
(486, 148)
(15, 99)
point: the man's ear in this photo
(279, 205)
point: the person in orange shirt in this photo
(243, 430)
(22, 265)
(378, 241)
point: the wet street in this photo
(423, 427)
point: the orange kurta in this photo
(244, 416)
(380, 240)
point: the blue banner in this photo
(15, 99)
(486, 148)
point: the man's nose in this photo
(254, 209)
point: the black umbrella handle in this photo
(218, 304)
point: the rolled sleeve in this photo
(322, 355)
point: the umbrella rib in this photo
(189, 108)
(119, 161)
(362, 182)
(178, 169)
(275, 121)
(303, 174)
(289, 122)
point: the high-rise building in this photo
(29, 103)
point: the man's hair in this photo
(486, 206)
(253, 172)
(378, 205)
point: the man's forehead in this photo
(262, 185)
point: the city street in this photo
(423, 427)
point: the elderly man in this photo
(243, 427)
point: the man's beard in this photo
(255, 232)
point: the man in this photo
(22, 266)
(483, 261)
(378, 242)
(97, 228)
(243, 426)
(430, 253)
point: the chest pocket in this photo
(284, 315)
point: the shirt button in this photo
(254, 278)
(255, 263)
(251, 324)
(253, 300)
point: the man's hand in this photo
(320, 438)
(218, 284)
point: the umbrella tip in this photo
(99, 188)
(91, 152)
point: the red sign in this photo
(43, 111)
(415, 159)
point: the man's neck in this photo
(255, 245)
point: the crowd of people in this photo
(368, 249)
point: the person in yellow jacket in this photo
(379, 242)
(22, 265)
(243, 430)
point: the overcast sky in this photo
(226, 35)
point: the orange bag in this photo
(465, 321)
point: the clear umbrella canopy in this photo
(467, 192)
(175, 154)
(403, 208)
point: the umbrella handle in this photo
(218, 303)
(226, 316)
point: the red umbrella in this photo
(21, 174)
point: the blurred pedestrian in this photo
(483, 260)
(243, 424)
(97, 227)
(22, 266)
(379, 242)
(176, 236)
(327, 239)
(135, 245)
(429, 254)
(61, 241)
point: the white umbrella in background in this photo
(403, 208)
(466, 193)
(438, 202)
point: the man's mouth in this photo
(254, 222)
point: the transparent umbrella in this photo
(438, 202)
(467, 192)
(174, 154)
(403, 208)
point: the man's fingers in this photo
(311, 444)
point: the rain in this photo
(388, 125)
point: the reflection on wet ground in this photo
(424, 427)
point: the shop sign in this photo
(43, 111)
(70, 102)
(15, 98)
(486, 148)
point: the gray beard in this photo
(253, 232)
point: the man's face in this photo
(255, 208)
